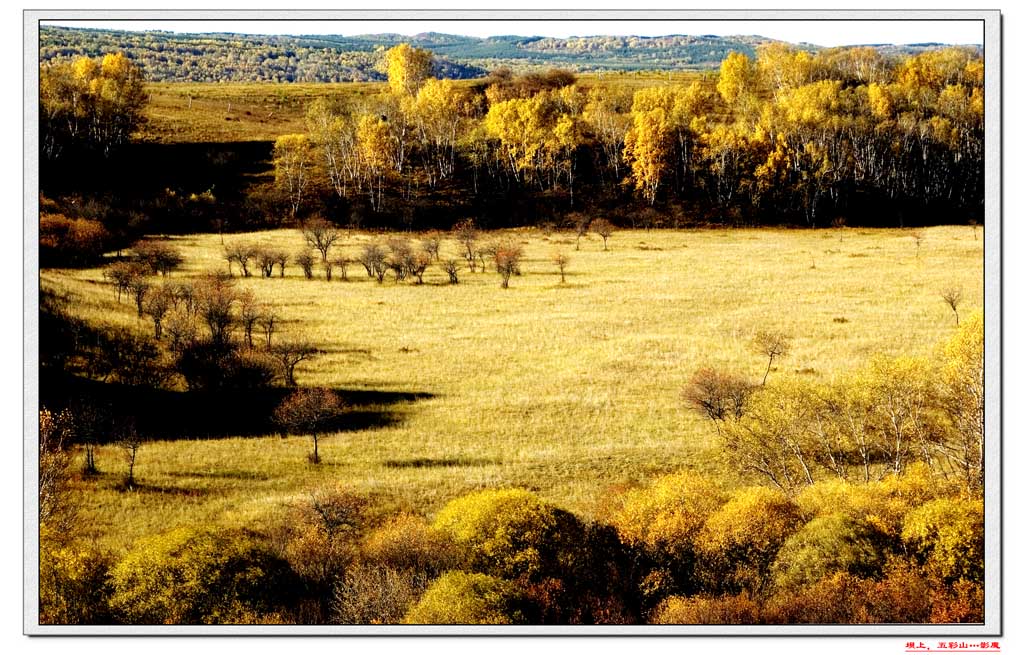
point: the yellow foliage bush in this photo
(407, 541)
(72, 584)
(948, 535)
(882, 504)
(511, 533)
(667, 516)
(737, 544)
(740, 609)
(459, 598)
(190, 576)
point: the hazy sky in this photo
(824, 33)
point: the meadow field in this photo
(572, 390)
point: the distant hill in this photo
(174, 57)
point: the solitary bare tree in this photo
(129, 441)
(320, 234)
(771, 344)
(561, 260)
(953, 295)
(718, 395)
(466, 233)
(451, 267)
(310, 411)
(581, 226)
(604, 228)
(289, 354)
(506, 259)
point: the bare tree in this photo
(240, 253)
(129, 441)
(289, 354)
(215, 297)
(581, 225)
(465, 232)
(918, 238)
(268, 322)
(506, 260)
(306, 260)
(57, 506)
(561, 260)
(431, 244)
(953, 295)
(281, 259)
(249, 313)
(342, 264)
(138, 288)
(400, 257)
(374, 260)
(157, 256)
(328, 265)
(717, 395)
(604, 228)
(488, 249)
(157, 305)
(772, 345)
(839, 223)
(265, 259)
(321, 235)
(120, 275)
(310, 411)
(451, 267)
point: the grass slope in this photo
(572, 390)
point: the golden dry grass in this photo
(572, 390)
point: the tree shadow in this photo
(446, 462)
(170, 415)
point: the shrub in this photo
(189, 576)
(827, 545)
(881, 504)
(667, 517)
(708, 610)
(320, 541)
(948, 536)
(459, 598)
(70, 241)
(73, 588)
(407, 542)
(375, 595)
(513, 534)
(739, 542)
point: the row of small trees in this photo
(397, 254)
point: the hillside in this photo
(172, 57)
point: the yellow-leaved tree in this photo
(293, 159)
(648, 151)
(408, 68)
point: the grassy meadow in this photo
(571, 390)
